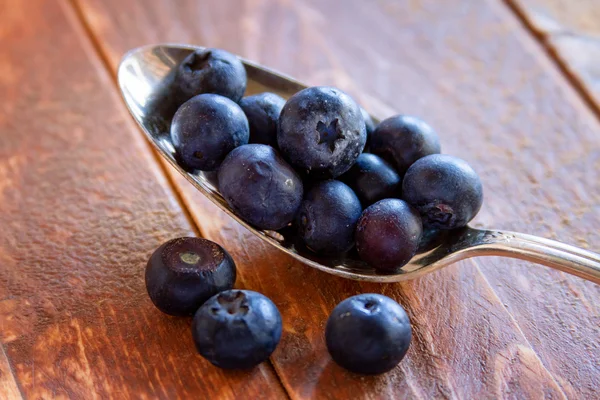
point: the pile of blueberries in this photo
(315, 163)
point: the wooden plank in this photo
(485, 328)
(82, 204)
(571, 31)
(8, 385)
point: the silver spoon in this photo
(144, 77)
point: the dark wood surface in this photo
(84, 201)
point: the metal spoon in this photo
(145, 76)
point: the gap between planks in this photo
(520, 20)
(551, 52)
(75, 14)
(579, 91)
(518, 326)
(80, 23)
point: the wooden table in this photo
(511, 86)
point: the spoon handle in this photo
(560, 256)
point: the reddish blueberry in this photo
(388, 234)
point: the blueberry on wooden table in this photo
(368, 334)
(211, 71)
(237, 329)
(445, 189)
(205, 129)
(372, 179)
(321, 131)
(185, 272)
(327, 217)
(401, 140)
(388, 234)
(260, 186)
(262, 111)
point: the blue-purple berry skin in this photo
(321, 131)
(369, 125)
(388, 234)
(205, 129)
(327, 217)
(372, 179)
(185, 272)
(445, 190)
(401, 140)
(262, 111)
(237, 329)
(211, 71)
(368, 334)
(260, 186)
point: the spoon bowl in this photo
(145, 78)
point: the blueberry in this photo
(368, 334)
(388, 234)
(401, 140)
(372, 179)
(328, 216)
(260, 186)
(321, 131)
(445, 190)
(262, 111)
(205, 129)
(237, 329)
(369, 125)
(183, 273)
(211, 71)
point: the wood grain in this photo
(82, 204)
(484, 328)
(8, 385)
(571, 31)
